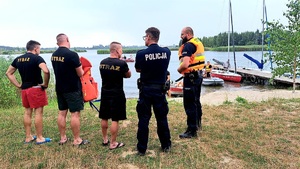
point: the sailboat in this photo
(260, 64)
(225, 74)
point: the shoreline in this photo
(219, 97)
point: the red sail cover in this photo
(89, 85)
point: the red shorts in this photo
(34, 97)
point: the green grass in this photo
(234, 135)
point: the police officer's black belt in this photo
(199, 73)
(154, 86)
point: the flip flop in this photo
(64, 142)
(47, 140)
(83, 142)
(34, 138)
(105, 144)
(119, 145)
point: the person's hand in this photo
(44, 86)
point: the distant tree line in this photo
(240, 39)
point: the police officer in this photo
(152, 64)
(192, 61)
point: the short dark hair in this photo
(114, 45)
(31, 45)
(154, 33)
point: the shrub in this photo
(10, 95)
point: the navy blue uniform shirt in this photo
(153, 63)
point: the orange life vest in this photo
(197, 60)
(89, 85)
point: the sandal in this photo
(105, 144)
(119, 145)
(83, 142)
(63, 142)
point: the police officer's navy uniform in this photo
(153, 63)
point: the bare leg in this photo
(114, 132)
(75, 126)
(39, 124)
(27, 124)
(61, 122)
(104, 126)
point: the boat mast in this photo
(232, 37)
(228, 36)
(269, 43)
(262, 32)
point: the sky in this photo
(99, 22)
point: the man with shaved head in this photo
(68, 70)
(113, 102)
(192, 61)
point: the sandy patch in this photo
(219, 97)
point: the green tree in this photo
(285, 42)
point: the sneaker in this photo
(188, 134)
(166, 149)
(140, 153)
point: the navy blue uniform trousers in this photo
(191, 101)
(149, 97)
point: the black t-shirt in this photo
(153, 63)
(64, 63)
(112, 71)
(28, 67)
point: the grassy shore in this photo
(237, 134)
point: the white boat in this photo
(212, 81)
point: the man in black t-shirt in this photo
(34, 96)
(113, 101)
(68, 70)
(152, 64)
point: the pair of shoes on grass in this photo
(47, 140)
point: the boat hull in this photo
(176, 91)
(213, 81)
(227, 76)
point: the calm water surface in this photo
(130, 86)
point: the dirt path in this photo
(218, 97)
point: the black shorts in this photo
(113, 108)
(72, 101)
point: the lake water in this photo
(130, 86)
